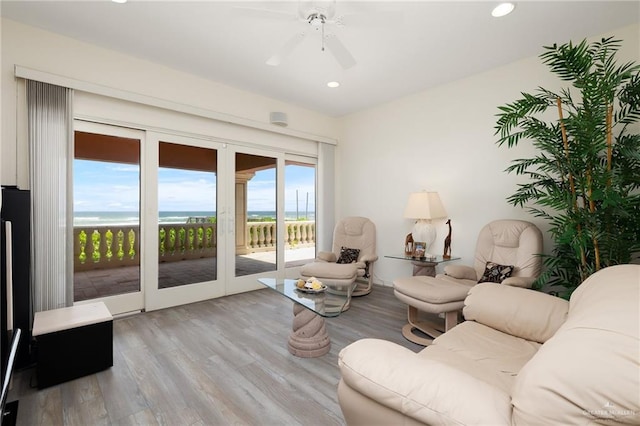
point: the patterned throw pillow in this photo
(495, 273)
(348, 255)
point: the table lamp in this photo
(424, 206)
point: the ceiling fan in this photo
(318, 15)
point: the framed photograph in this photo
(418, 249)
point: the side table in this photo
(424, 266)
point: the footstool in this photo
(72, 342)
(432, 295)
(338, 277)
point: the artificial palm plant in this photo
(585, 178)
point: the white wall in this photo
(441, 139)
(44, 51)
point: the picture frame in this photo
(419, 249)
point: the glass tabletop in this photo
(326, 304)
(434, 260)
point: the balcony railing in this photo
(109, 246)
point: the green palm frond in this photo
(587, 185)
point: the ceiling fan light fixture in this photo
(327, 8)
(502, 9)
(333, 84)
(316, 19)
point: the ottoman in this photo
(338, 277)
(72, 342)
(432, 295)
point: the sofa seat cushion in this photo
(414, 385)
(489, 355)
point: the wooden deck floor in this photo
(218, 362)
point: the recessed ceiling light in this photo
(502, 9)
(333, 84)
(119, 1)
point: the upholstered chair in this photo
(507, 253)
(349, 265)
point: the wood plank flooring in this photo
(219, 362)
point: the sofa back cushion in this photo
(587, 372)
(519, 312)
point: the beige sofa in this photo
(521, 358)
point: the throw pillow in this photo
(348, 255)
(496, 273)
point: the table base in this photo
(309, 338)
(424, 268)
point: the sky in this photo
(102, 186)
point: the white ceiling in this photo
(400, 47)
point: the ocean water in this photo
(131, 218)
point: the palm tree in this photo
(585, 178)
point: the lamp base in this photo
(424, 232)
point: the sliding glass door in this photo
(185, 239)
(162, 220)
(187, 222)
(253, 249)
(300, 210)
(106, 216)
(256, 213)
(274, 210)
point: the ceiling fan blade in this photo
(378, 19)
(285, 50)
(340, 52)
(254, 12)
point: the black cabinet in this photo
(16, 209)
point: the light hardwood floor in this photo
(218, 362)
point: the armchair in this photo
(351, 259)
(505, 242)
(506, 252)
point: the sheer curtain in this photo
(326, 216)
(50, 127)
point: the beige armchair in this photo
(350, 263)
(507, 252)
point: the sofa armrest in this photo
(524, 282)
(520, 312)
(368, 258)
(327, 256)
(462, 272)
(418, 387)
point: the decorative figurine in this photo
(447, 243)
(408, 244)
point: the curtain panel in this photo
(326, 216)
(50, 133)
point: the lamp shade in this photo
(424, 205)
